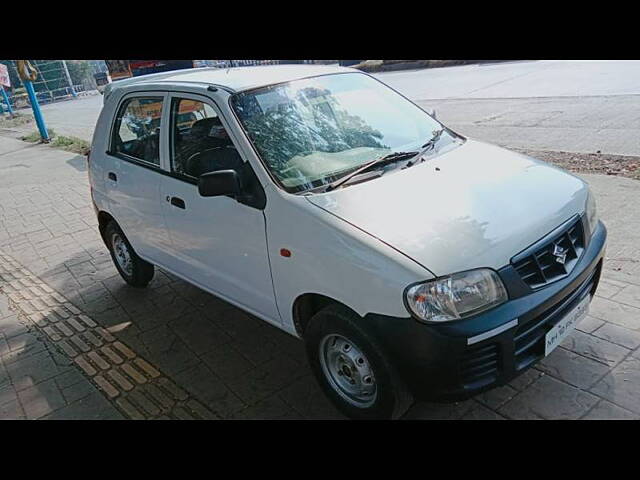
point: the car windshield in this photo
(313, 131)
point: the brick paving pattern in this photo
(77, 342)
(139, 389)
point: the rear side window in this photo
(136, 131)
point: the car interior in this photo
(138, 131)
(145, 147)
(204, 147)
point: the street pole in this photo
(44, 134)
(6, 99)
(66, 71)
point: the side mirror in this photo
(431, 112)
(222, 182)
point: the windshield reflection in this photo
(310, 132)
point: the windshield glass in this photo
(312, 131)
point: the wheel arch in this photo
(307, 305)
(103, 220)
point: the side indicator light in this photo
(285, 252)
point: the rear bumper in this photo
(457, 360)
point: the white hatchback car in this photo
(413, 262)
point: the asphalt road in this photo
(74, 117)
(520, 79)
(575, 106)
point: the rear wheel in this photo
(352, 368)
(134, 270)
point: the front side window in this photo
(199, 142)
(137, 129)
(312, 131)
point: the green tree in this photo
(79, 71)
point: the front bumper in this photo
(439, 362)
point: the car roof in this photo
(233, 79)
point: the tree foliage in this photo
(287, 131)
(79, 71)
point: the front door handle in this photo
(112, 176)
(177, 202)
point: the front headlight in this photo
(592, 212)
(456, 296)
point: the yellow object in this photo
(26, 70)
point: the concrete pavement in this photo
(77, 342)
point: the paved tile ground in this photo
(76, 342)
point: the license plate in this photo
(564, 327)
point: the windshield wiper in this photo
(392, 157)
(427, 146)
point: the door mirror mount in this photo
(221, 182)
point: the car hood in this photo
(474, 206)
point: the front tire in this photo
(352, 368)
(134, 270)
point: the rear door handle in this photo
(112, 176)
(177, 202)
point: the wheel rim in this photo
(348, 371)
(121, 253)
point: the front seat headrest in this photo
(208, 128)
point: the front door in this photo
(218, 242)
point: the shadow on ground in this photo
(79, 162)
(236, 364)
(36, 380)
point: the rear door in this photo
(133, 173)
(218, 242)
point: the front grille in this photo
(529, 338)
(543, 265)
(479, 365)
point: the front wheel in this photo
(134, 270)
(352, 368)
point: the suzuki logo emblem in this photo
(560, 254)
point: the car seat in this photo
(209, 149)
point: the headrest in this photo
(208, 128)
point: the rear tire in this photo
(134, 270)
(352, 368)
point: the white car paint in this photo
(237, 79)
(361, 245)
(333, 258)
(474, 206)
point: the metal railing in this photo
(250, 63)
